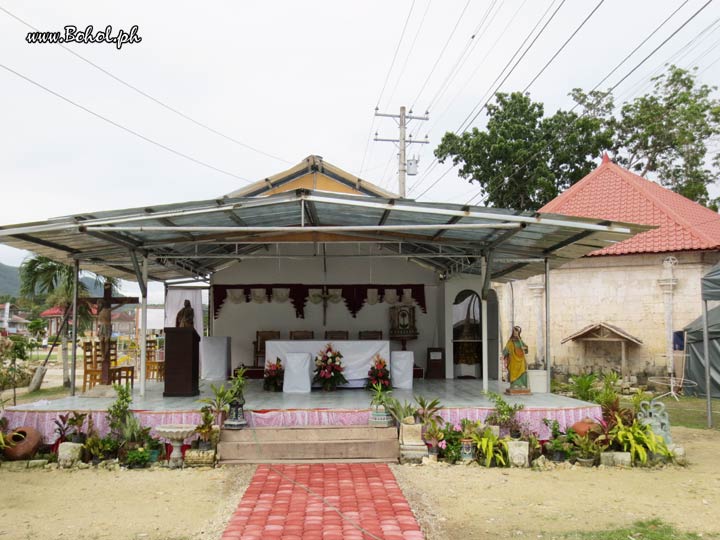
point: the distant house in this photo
(123, 321)
(12, 321)
(628, 297)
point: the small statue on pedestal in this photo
(185, 317)
(515, 363)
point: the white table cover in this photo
(215, 358)
(401, 369)
(357, 355)
(298, 373)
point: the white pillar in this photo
(143, 327)
(667, 284)
(484, 326)
(73, 367)
(548, 358)
(537, 290)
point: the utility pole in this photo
(402, 142)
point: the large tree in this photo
(523, 159)
(665, 134)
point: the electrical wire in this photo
(382, 91)
(152, 98)
(568, 40)
(120, 126)
(437, 60)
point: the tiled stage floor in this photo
(460, 393)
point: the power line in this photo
(657, 28)
(409, 54)
(516, 63)
(568, 40)
(435, 160)
(382, 91)
(120, 126)
(487, 195)
(447, 42)
(152, 98)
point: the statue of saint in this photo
(515, 362)
(185, 317)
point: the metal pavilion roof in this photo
(195, 239)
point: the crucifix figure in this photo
(104, 317)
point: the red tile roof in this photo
(613, 193)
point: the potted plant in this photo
(468, 430)
(137, 459)
(274, 377)
(560, 446)
(432, 437)
(492, 450)
(640, 440)
(587, 450)
(61, 428)
(75, 424)
(220, 402)
(378, 415)
(95, 449)
(329, 369)
(428, 410)
(205, 429)
(378, 374)
(504, 416)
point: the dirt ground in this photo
(450, 502)
(473, 502)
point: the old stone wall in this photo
(621, 290)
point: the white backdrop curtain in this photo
(174, 301)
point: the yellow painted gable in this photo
(316, 181)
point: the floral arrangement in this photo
(274, 376)
(329, 368)
(378, 374)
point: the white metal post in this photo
(484, 327)
(402, 167)
(143, 327)
(706, 353)
(548, 359)
(76, 274)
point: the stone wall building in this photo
(644, 287)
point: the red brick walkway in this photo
(353, 501)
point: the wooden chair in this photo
(154, 366)
(91, 369)
(261, 336)
(301, 334)
(337, 335)
(370, 334)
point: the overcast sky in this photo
(290, 79)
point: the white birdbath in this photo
(176, 433)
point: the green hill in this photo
(9, 280)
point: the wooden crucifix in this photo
(104, 316)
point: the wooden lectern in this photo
(182, 362)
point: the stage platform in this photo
(460, 399)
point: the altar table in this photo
(357, 355)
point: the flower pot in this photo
(467, 450)
(558, 456)
(583, 426)
(433, 449)
(26, 441)
(585, 462)
(204, 446)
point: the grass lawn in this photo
(689, 411)
(642, 530)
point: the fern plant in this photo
(491, 448)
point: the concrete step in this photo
(304, 461)
(309, 434)
(301, 451)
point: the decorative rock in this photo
(678, 453)
(51, 466)
(199, 458)
(518, 452)
(607, 459)
(69, 454)
(622, 459)
(37, 463)
(81, 465)
(653, 413)
(412, 447)
(14, 465)
(541, 464)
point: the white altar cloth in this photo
(357, 355)
(215, 358)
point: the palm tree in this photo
(40, 276)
